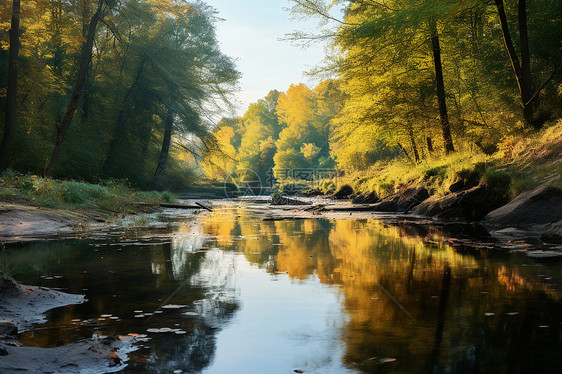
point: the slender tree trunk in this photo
(120, 126)
(413, 143)
(75, 97)
(429, 144)
(522, 70)
(527, 92)
(166, 142)
(440, 83)
(11, 104)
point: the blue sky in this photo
(250, 34)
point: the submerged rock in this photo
(540, 206)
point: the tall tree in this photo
(11, 102)
(440, 87)
(522, 67)
(86, 57)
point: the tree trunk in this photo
(166, 142)
(440, 83)
(413, 143)
(521, 70)
(120, 126)
(429, 145)
(75, 97)
(11, 102)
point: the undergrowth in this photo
(521, 163)
(110, 195)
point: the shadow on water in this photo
(386, 298)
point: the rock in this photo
(402, 202)
(8, 328)
(312, 192)
(468, 205)
(388, 204)
(370, 198)
(466, 181)
(553, 234)
(344, 192)
(282, 200)
(411, 198)
(544, 255)
(3, 352)
(540, 206)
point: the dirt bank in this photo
(19, 222)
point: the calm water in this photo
(345, 296)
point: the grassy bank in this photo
(107, 197)
(521, 163)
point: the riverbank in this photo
(516, 191)
(33, 207)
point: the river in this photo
(228, 292)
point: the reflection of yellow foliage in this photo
(363, 256)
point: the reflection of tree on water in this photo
(193, 352)
(447, 291)
(119, 277)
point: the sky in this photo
(251, 33)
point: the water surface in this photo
(324, 296)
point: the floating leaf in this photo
(173, 306)
(387, 360)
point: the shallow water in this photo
(323, 296)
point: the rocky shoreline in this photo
(536, 213)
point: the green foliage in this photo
(154, 61)
(498, 183)
(110, 195)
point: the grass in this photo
(107, 197)
(521, 163)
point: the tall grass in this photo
(522, 162)
(111, 195)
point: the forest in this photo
(407, 81)
(96, 90)
(134, 89)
